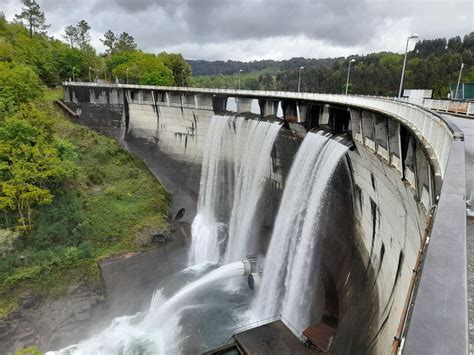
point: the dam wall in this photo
(397, 203)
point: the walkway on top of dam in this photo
(467, 125)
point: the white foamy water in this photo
(236, 168)
(220, 163)
(157, 331)
(286, 287)
(252, 179)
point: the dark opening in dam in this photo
(308, 224)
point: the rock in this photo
(154, 237)
(55, 323)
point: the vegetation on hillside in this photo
(55, 61)
(68, 196)
(433, 64)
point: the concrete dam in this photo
(319, 222)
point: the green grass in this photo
(111, 200)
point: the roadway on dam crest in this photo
(467, 126)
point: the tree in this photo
(71, 34)
(18, 84)
(32, 17)
(83, 34)
(142, 68)
(31, 163)
(180, 68)
(109, 41)
(125, 42)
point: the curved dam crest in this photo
(391, 177)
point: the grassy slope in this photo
(111, 200)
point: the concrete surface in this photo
(467, 125)
(271, 338)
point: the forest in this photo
(68, 196)
(432, 64)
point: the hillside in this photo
(432, 64)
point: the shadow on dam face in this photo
(351, 301)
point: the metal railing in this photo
(435, 132)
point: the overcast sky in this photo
(261, 29)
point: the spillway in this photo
(235, 172)
(291, 269)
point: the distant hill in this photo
(230, 67)
(433, 64)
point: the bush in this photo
(18, 84)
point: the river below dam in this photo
(201, 307)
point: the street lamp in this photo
(90, 75)
(73, 70)
(97, 75)
(459, 81)
(240, 73)
(182, 78)
(414, 35)
(299, 78)
(349, 73)
(127, 75)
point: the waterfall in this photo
(219, 168)
(157, 331)
(286, 286)
(235, 170)
(252, 179)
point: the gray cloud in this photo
(251, 29)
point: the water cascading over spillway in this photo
(286, 286)
(156, 331)
(236, 168)
(219, 168)
(250, 185)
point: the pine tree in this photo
(83, 35)
(125, 42)
(109, 41)
(32, 17)
(71, 34)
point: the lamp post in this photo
(240, 73)
(73, 70)
(414, 35)
(182, 78)
(90, 75)
(97, 75)
(299, 78)
(127, 75)
(459, 81)
(348, 74)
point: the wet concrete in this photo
(180, 179)
(271, 338)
